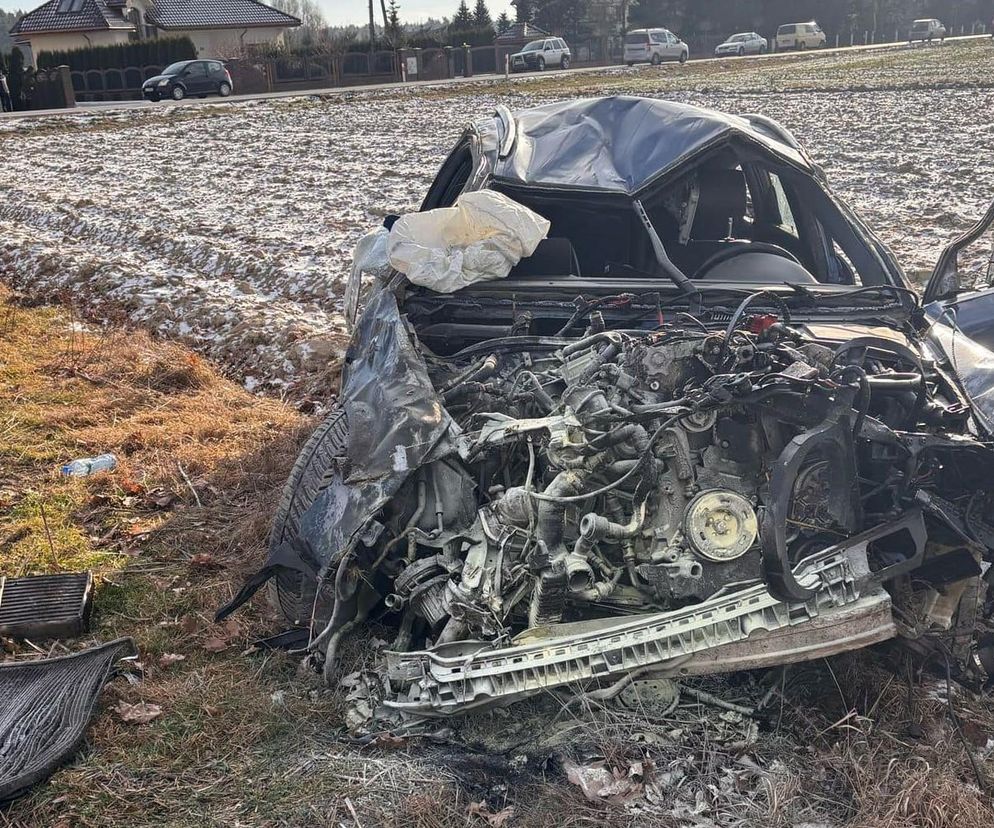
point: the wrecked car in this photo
(707, 425)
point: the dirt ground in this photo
(172, 236)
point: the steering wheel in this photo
(738, 249)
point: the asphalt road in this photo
(120, 106)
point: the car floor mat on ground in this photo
(46, 707)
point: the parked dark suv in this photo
(189, 77)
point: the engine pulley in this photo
(720, 525)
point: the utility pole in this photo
(372, 29)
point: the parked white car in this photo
(743, 43)
(927, 29)
(800, 36)
(654, 46)
(538, 55)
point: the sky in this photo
(341, 12)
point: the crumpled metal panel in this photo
(46, 707)
(397, 423)
(619, 144)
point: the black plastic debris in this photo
(46, 707)
(40, 607)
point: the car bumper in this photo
(154, 91)
(845, 612)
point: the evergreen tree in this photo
(16, 80)
(481, 16)
(462, 21)
(394, 31)
(524, 10)
(503, 23)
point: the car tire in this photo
(540, 64)
(683, 57)
(564, 63)
(631, 63)
(178, 93)
(292, 593)
(655, 60)
(155, 98)
(224, 89)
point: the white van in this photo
(654, 46)
(926, 30)
(800, 36)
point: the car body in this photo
(188, 78)
(800, 36)
(926, 30)
(541, 54)
(743, 43)
(654, 46)
(706, 425)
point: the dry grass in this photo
(249, 740)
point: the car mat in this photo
(47, 705)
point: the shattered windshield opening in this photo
(734, 214)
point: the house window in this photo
(69, 6)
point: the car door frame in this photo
(190, 80)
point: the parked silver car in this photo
(743, 43)
(654, 46)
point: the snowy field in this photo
(230, 227)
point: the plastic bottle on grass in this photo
(90, 465)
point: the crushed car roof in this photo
(621, 144)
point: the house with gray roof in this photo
(218, 28)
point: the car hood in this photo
(154, 80)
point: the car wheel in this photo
(631, 63)
(178, 93)
(683, 57)
(292, 593)
(540, 65)
(655, 61)
(224, 89)
(564, 63)
(155, 98)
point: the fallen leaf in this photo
(388, 741)
(131, 487)
(168, 659)
(189, 624)
(140, 713)
(496, 819)
(216, 645)
(203, 560)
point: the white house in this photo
(218, 28)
